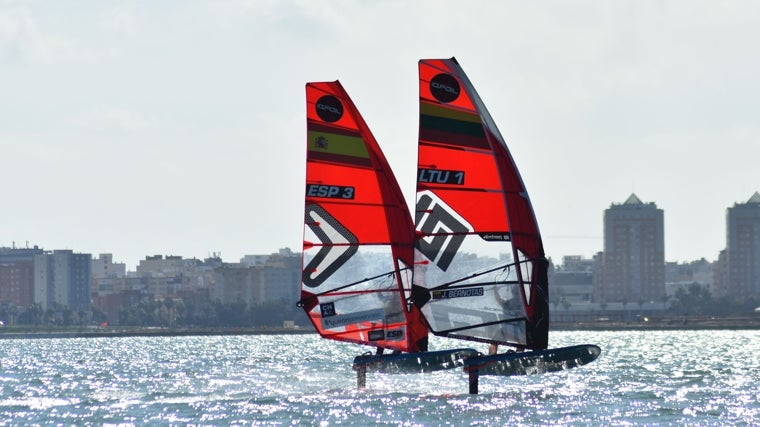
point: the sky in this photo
(178, 127)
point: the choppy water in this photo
(641, 378)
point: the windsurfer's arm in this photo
(498, 297)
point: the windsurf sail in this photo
(480, 271)
(358, 232)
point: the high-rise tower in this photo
(742, 254)
(633, 261)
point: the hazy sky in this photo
(178, 127)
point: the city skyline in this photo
(179, 128)
(557, 260)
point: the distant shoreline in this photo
(673, 324)
(151, 332)
(751, 322)
(581, 326)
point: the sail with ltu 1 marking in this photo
(480, 271)
(358, 232)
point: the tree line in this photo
(167, 312)
(699, 301)
(179, 313)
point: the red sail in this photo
(358, 232)
(481, 272)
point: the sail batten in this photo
(358, 232)
(473, 217)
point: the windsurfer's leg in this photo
(493, 349)
(422, 344)
(379, 351)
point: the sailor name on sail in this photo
(458, 293)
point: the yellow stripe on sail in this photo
(448, 113)
(337, 144)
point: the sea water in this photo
(641, 378)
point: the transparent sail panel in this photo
(475, 296)
(363, 264)
(361, 298)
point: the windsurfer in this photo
(510, 305)
(494, 348)
(381, 350)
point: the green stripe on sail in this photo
(337, 144)
(450, 126)
(448, 113)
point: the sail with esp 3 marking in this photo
(358, 232)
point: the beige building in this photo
(741, 259)
(631, 269)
